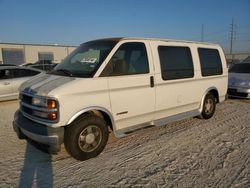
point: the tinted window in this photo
(5, 74)
(17, 73)
(130, 58)
(210, 62)
(240, 68)
(46, 67)
(176, 62)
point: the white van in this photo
(121, 84)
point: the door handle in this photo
(152, 82)
(6, 83)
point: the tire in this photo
(208, 107)
(86, 137)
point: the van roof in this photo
(117, 39)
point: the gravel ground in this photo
(188, 153)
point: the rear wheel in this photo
(86, 137)
(209, 106)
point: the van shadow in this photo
(37, 169)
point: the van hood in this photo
(43, 84)
(238, 79)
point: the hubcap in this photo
(209, 105)
(90, 138)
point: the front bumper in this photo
(25, 128)
(238, 92)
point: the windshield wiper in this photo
(67, 72)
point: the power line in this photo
(232, 37)
(219, 32)
(242, 40)
(243, 33)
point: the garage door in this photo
(45, 56)
(13, 56)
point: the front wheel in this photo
(86, 137)
(209, 106)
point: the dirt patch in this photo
(188, 153)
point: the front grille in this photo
(26, 99)
(26, 110)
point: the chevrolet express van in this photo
(123, 85)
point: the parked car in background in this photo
(45, 65)
(7, 65)
(11, 77)
(239, 80)
(233, 62)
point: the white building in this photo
(13, 53)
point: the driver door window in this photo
(130, 58)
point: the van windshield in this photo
(85, 60)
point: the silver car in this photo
(11, 77)
(239, 80)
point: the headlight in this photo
(43, 102)
(39, 102)
(45, 108)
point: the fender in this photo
(204, 95)
(93, 108)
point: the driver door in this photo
(132, 97)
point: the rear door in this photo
(175, 82)
(132, 96)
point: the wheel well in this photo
(101, 114)
(215, 94)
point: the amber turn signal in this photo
(51, 103)
(52, 115)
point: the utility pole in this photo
(202, 32)
(232, 37)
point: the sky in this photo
(72, 22)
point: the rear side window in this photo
(176, 62)
(210, 62)
(5, 74)
(17, 73)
